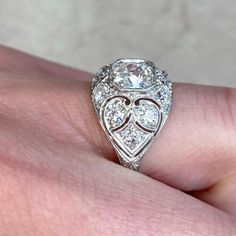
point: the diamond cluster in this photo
(132, 99)
(147, 115)
(101, 92)
(116, 112)
(163, 96)
(132, 136)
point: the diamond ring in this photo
(132, 99)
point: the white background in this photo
(195, 41)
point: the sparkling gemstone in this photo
(163, 77)
(163, 95)
(100, 92)
(132, 73)
(132, 136)
(115, 112)
(147, 114)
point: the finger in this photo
(64, 92)
(194, 151)
(52, 189)
(21, 63)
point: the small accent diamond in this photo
(132, 136)
(163, 95)
(100, 91)
(147, 114)
(164, 98)
(115, 112)
(163, 77)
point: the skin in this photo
(59, 173)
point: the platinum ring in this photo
(132, 99)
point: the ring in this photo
(132, 99)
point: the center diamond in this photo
(132, 73)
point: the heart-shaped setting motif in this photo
(132, 99)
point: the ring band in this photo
(132, 99)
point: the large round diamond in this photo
(132, 73)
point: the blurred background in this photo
(195, 41)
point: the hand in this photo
(58, 175)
